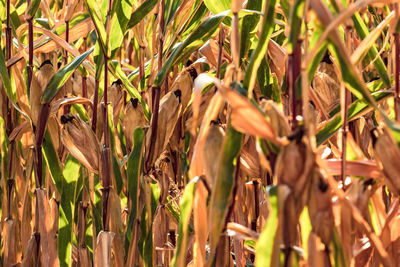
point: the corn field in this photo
(200, 133)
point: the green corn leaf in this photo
(195, 17)
(98, 60)
(170, 10)
(119, 21)
(362, 31)
(141, 12)
(133, 174)
(64, 180)
(93, 8)
(248, 25)
(313, 66)
(74, 21)
(354, 110)
(296, 16)
(223, 186)
(257, 56)
(353, 82)
(32, 8)
(51, 158)
(265, 243)
(218, 6)
(198, 37)
(117, 174)
(61, 76)
(146, 226)
(186, 211)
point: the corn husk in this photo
(320, 207)
(184, 82)
(294, 164)
(212, 151)
(326, 85)
(388, 156)
(77, 85)
(38, 85)
(168, 114)
(115, 99)
(293, 171)
(79, 139)
(275, 117)
(133, 117)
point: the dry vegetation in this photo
(200, 133)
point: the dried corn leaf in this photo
(48, 238)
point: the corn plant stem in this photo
(231, 209)
(327, 256)
(141, 62)
(294, 68)
(154, 126)
(67, 40)
(161, 40)
(95, 104)
(234, 191)
(344, 136)
(105, 157)
(221, 38)
(39, 136)
(345, 126)
(30, 51)
(82, 211)
(84, 83)
(397, 70)
(66, 107)
(10, 180)
(30, 45)
(235, 44)
(106, 169)
(156, 93)
(256, 206)
(8, 56)
(286, 252)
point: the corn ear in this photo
(79, 139)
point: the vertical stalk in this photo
(141, 62)
(82, 211)
(30, 45)
(66, 107)
(235, 43)
(308, 123)
(105, 154)
(95, 104)
(156, 92)
(161, 40)
(221, 39)
(67, 40)
(346, 97)
(8, 56)
(106, 175)
(84, 84)
(397, 67)
(154, 126)
(294, 68)
(10, 180)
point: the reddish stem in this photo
(396, 76)
(95, 104)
